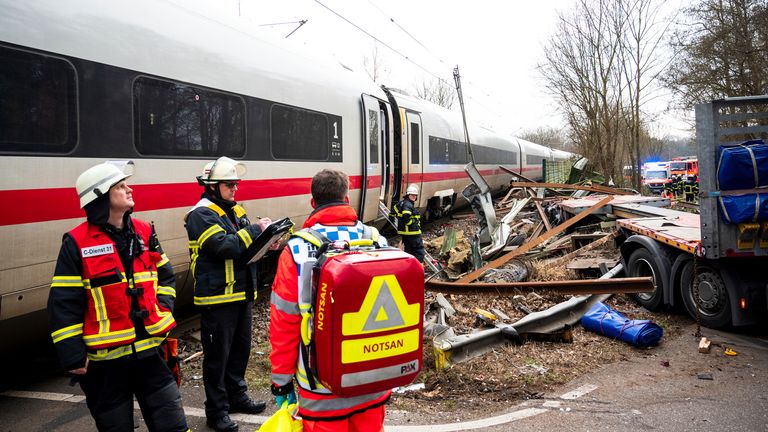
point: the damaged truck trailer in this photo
(714, 263)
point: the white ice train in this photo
(86, 81)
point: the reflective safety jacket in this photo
(408, 218)
(219, 242)
(336, 222)
(95, 303)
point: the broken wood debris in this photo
(560, 228)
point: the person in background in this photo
(220, 235)
(320, 410)
(409, 223)
(110, 308)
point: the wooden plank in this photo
(543, 215)
(601, 189)
(565, 258)
(538, 240)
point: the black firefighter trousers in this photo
(226, 333)
(109, 387)
(414, 246)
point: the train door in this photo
(375, 184)
(414, 154)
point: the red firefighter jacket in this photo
(334, 221)
(98, 309)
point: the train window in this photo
(533, 159)
(373, 136)
(38, 112)
(175, 119)
(445, 151)
(299, 134)
(415, 135)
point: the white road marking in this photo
(475, 424)
(256, 419)
(581, 391)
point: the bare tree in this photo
(641, 39)
(721, 50)
(601, 65)
(437, 91)
(374, 65)
(548, 136)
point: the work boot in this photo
(222, 424)
(247, 406)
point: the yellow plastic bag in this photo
(284, 420)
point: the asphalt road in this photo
(660, 390)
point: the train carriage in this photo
(86, 81)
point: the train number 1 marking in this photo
(336, 130)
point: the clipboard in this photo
(273, 234)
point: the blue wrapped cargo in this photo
(608, 322)
(744, 166)
(738, 209)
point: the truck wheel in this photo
(641, 264)
(713, 302)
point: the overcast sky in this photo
(496, 44)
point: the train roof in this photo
(164, 39)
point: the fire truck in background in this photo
(684, 167)
(656, 175)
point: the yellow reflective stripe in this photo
(102, 338)
(100, 309)
(239, 210)
(213, 229)
(162, 325)
(67, 332)
(361, 242)
(229, 276)
(166, 290)
(67, 281)
(145, 277)
(245, 237)
(113, 353)
(163, 261)
(308, 237)
(217, 209)
(301, 376)
(224, 298)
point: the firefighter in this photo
(320, 410)
(678, 186)
(220, 236)
(409, 223)
(110, 308)
(689, 188)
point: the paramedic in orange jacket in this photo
(321, 410)
(110, 308)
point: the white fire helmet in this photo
(96, 181)
(222, 169)
(412, 190)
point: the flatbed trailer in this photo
(718, 271)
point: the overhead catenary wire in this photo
(392, 20)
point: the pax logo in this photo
(408, 368)
(97, 250)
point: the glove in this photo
(284, 394)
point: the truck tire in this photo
(713, 302)
(641, 264)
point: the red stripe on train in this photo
(40, 205)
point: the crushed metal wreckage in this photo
(535, 229)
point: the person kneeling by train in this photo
(110, 308)
(409, 223)
(220, 239)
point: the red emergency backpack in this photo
(367, 317)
